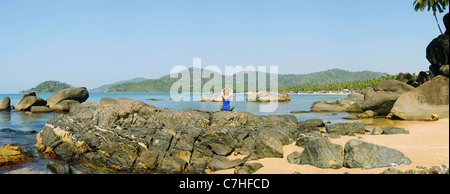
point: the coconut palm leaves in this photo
(435, 5)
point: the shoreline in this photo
(426, 145)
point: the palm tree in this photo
(435, 5)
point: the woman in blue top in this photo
(227, 93)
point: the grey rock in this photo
(40, 109)
(346, 128)
(5, 104)
(304, 138)
(381, 97)
(312, 122)
(27, 100)
(80, 94)
(65, 105)
(59, 168)
(248, 168)
(321, 153)
(377, 131)
(359, 154)
(222, 163)
(394, 130)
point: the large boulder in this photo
(381, 97)
(127, 135)
(430, 98)
(5, 103)
(438, 50)
(360, 154)
(27, 100)
(321, 153)
(80, 94)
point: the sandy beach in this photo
(426, 145)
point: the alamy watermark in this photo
(191, 81)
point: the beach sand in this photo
(427, 144)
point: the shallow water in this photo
(19, 122)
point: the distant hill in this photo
(104, 87)
(164, 83)
(48, 87)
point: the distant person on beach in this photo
(226, 93)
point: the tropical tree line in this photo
(336, 86)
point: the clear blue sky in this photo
(95, 42)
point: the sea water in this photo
(21, 123)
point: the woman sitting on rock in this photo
(226, 93)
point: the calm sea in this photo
(18, 121)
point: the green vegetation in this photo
(435, 5)
(48, 87)
(328, 76)
(164, 83)
(336, 86)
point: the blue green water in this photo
(20, 122)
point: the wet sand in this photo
(427, 144)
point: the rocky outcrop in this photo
(67, 98)
(424, 101)
(27, 100)
(360, 154)
(127, 135)
(264, 96)
(5, 104)
(381, 97)
(11, 155)
(351, 103)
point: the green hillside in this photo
(164, 83)
(48, 87)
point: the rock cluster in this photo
(320, 152)
(264, 96)
(130, 136)
(62, 100)
(411, 97)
